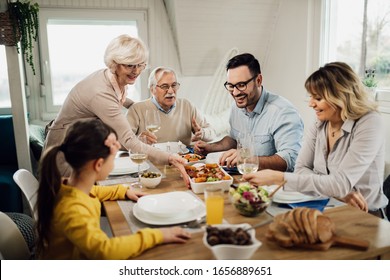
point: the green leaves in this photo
(369, 78)
(24, 15)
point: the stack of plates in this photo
(282, 196)
(124, 165)
(168, 208)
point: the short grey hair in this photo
(125, 49)
(157, 73)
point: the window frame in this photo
(139, 16)
(328, 50)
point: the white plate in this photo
(282, 196)
(153, 220)
(168, 204)
(173, 147)
(124, 165)
(213, 157)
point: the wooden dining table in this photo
(349, 221)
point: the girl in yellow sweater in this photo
(69, 209)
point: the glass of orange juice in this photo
(213, 196)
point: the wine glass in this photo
(247, 160)
(152, 120)
(139, 157)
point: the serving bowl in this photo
(249, 200)
(150, 179)
(170, 204)
(232, 251)
(198, 185)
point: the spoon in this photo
(195, 223)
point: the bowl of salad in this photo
(249, 200)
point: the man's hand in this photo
(229, 158)
(197, 130)
(200, 148)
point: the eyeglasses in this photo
(174, 86)
(241, 86)
(132, 67)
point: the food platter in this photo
(193, 158)
(198, 182)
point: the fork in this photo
(195, 223)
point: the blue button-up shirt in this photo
(274, 124)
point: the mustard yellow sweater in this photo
(76, 233)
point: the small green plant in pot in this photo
(24, 19)
(369, 78)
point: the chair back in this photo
(29, 186)
(386, 190)
(12, 244)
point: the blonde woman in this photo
(343, 152)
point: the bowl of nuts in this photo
(150, 179)
(231, 242)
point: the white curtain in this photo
(218, 99)
(216, 106)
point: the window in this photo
(73, 44)
(5, 100)
(345, 29)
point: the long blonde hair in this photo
(342, 88)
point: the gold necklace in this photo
(332, 133)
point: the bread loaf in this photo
(301, 226)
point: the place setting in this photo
(181, 208)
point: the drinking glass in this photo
(139, 157)
(213, 196)
(247, 160)
(152, 120)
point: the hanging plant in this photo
(25, 24)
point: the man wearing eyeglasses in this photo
(180, 120)
(271, 120)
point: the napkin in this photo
(315, 204)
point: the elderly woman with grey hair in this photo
(103, 94)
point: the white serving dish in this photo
(199, 187)
(177, 219)
(233, 252)
(124, 165)
(168, 204)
